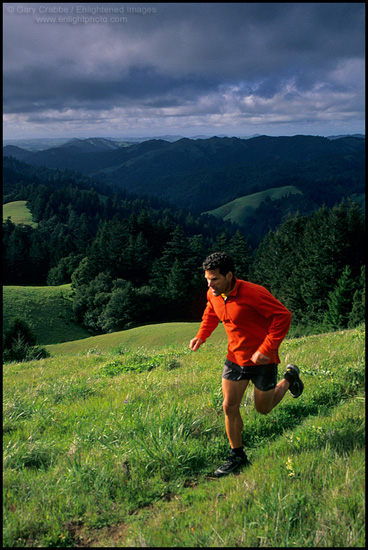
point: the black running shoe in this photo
(230, 465)
(292, 376)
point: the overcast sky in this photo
(98, 69)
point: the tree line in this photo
(134, 260)
(315, 265)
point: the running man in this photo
(256, 324)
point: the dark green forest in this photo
(135, 259)
(203, 174)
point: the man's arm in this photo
(208, 325)
(280, 318)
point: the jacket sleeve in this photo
(209, 322)
(280, 319)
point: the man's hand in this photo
(195, 343)
(259, 359)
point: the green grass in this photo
(238, 209)
(47, 309)
(18, 212)
(157, 336)
(116, 448)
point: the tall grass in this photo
(117, 448)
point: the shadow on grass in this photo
(260, 429)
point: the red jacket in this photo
(253, 320)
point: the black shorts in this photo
(264, 377)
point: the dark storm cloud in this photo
(185, 60)
(90, 91)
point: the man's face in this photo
(219, 284)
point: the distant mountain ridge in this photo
(92, 145)
(204, 174)
(38, 144)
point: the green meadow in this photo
(18, 212)
(112, 441)
(238, 209)
(47, 310)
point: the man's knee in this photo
(263, 408)
(264, 401)
(230, 409)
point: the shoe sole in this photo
(298, 382)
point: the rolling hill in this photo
(48, 310)
(155, 337)
(238, 210)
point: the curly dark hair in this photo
(221, 261)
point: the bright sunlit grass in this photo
(116, 448)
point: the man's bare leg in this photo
(233, 394)
(265, 401)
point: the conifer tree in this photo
(340, 301)
(177, 283)
(177, 248)
(239, 250)
(19, 343)
(357, 314)
(332, 238)
(19, 329)
(277, 261)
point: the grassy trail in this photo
(116, 448)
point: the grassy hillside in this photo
(153, 336)
(238, 209)
(48, 310)
(18, 212)
(116, 449)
